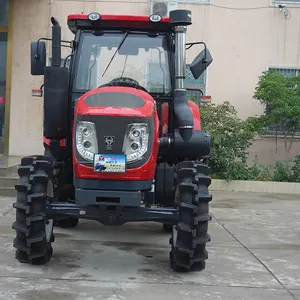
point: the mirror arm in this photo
(190, 45)
(66, 59)
(36, 56)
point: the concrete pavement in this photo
(254, 254)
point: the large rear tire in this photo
(34, 230)
(189, 236)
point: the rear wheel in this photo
(189, 236)
(34, 231)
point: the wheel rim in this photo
(49, 223)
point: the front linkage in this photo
(113, 217)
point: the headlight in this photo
(136, 141)
(86, 140)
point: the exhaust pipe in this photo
(180, 19)
(180, 57)
(56, 43)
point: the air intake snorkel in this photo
(56, 43)
(180, 19)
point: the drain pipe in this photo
(180, 19)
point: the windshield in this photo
(141, 57)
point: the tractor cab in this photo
(144, 52)
(123, 58)
(137, 51)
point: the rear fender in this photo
(165, 117)
(196, 114)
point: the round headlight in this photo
(87, 144)
(87, 131)
(94, 16)
(136, 133)
(135, 146)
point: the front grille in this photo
(116, 127)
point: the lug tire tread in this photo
(30, 241)
(189, 252)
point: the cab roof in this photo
(129, 22)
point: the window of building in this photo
(288, 72)
(3, 69)
(195, 1)
(3, 54)
(3, 12)
(274, 2)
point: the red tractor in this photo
(125, 143)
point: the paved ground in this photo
(254, 254)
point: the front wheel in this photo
(34, 230)
(189, 236)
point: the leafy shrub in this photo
(282, 172)
(296, 169)
(280, 96)
(231, 139)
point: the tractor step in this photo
(8, 175)
(7, 186)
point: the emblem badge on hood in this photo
(109, 142)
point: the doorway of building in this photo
(3, 61)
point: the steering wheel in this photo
(125, 81)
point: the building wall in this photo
(31, 21)
(243, 43)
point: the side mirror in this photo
(38, 58)
(201, 63)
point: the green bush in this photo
(280, 97)
(296, 169)
(231, 139)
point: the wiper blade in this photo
(120, 45)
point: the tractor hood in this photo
(116, 101)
